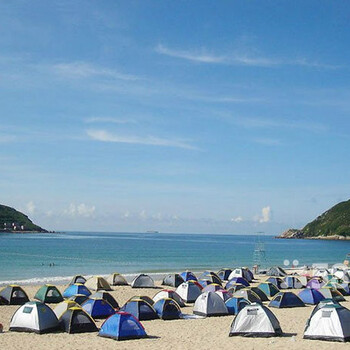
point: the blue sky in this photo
(177, 116)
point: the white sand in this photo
(209, 333)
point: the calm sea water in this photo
(26, 258)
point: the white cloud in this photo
(191, 56)
(30, 207)
(87, 70)
(237, 219)
(105, 136)
(81, 210)
(265, 214)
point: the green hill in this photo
(335, 221)
(332, 224)
(12, 220)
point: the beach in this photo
(206, 333)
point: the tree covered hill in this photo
(12, 220)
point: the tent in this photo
(286, 300)
(188, 276)
(49, 294)
(78, 279)
(235, 287)
(242, 272)
(209, 304)
(255, 320)
(303, 280)
(224, 294)
(76, 320)
(247, 294)
(188, 291)
(331, 322)
(236, 280)
(63, 306)
(311, 296)
(116, 279)
(140, 309)
(291, 282)
(122, 326)
(204, 283)
(315, 283)
(212, 288)
(236, 304)
(211, 276)
(336, 286)
(224, 274)
(343, 275)
(78, 298)
(167, 309)
(322, 304)
(142, 297)
(172, 280)
(36, 317)
(323, 273)
(13, 295)
(142, 281)
(331, 293)
(74, 289)
(105, 296)
(276, 271)
(259, 293)
(98, 308)
(166, 293)
(275, 280)
(97, 283)
(268, 288)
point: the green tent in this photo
(49, 294)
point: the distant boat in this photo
(152, 231)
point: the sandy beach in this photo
(208, 333)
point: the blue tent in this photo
(224, 274)
(204, 283)
(167, 309)
(74, 289)
(291, 282)
(236, 280)
(276, 281)
(311, 296)
(98, 308)
(188, 276)
(140, 309)
(122, 326)
(286, 299)
(269, 289)
(235, 305)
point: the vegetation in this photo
(12, 220)
(335, 221)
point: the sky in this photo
(176, 116)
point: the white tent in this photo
(169, 294)
(210, 304)
(35, 317)
(97, 283)
(63, 306)
(116, 279)
(255, 320)
(142, 281)
(241, 272)
(331, 322)
(343, 275)
(188, 291)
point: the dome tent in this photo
(98, 308)
(77, 279)
(166, 293)
(116, 279)
(291, 282)
(311, 296)
(122, 326)
(236, 304)
(331, 322)
(49, 294)
(172, 280)
(209, 304)
(13, 295)
(97, 283)
(269, 289)
(105, 296)
(142, 281)
(63, 306)
(76, 320)
(140, 309)
(255, 320)
(79, 298)
(188, 276)
(167, 309)
(188, 291)
(36, 317)
(286, 300)
(224, 274)
(74, 289)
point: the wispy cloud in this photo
(105, 136)
(87, 70)
(239, 58)
(111, 120)
(202, 56)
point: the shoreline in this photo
(321, 238)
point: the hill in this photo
(332, 224)
(12, 220)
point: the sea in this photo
(56, 257)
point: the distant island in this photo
(14, 221)
(332, 224)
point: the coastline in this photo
(321, 238)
